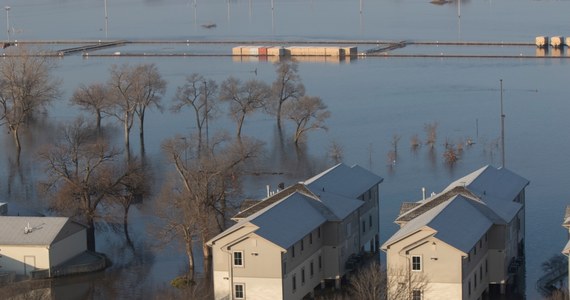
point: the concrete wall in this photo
(13, 258)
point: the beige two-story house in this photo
(293, 241)
(463, 240)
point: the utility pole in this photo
(7, 8)
(502, 127)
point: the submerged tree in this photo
(199, 94)
(133, 89)
(308, 113)
(27, 86)
(93, 98)
(431, 133)
(244, 98)
(83, 172)
(287, 86)
(197, 202)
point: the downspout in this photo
(226, 249)
(230, 271)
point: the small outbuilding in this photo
(28, 244)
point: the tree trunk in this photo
(240, 124)
(98, 121)
(126, 223)
(279, 114)
(127, 131)
(90, 235)
(189, 251)
(16, 135)
(141, 132)
(205, 249)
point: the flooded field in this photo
(371, 99)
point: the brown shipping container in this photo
(262, 51)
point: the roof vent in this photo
(27, 229)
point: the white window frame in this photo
(242, 290)
(242, 258)
(417, 291)
(420, 263)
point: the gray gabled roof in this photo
(496, 187)
(289, 215)
(288, 221)
(341, 179)
(459, 221)
(44, 231)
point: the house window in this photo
(475, 250)
(475, 280)
(302, 244)
(320, 262)
(238, 258)
(239, 291)
(319, 233)
(469, 287)
(293, 251)
(486, 267)
(480, 243)
(302, 275)
(363, 226)
(311, 238)
(481, 272)
(370, 221)
(416, 263)
(486, 237)
(284, 267)
(294, 281)
(417, 295)
(311, 269)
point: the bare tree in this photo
(287, 86)
(198, 203)
(450, 155)
(133, 89)
(27, 86)
(150, 87)
(431, 133)
(93, 98)
(375, 283)
(244, 98)
(336, 152)
(369, 283)
(200, 95)
(395, 140)
(415, 142)
(308, 113)
(132, 188)
(82, 172)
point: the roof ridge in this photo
(429, 204)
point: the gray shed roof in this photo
(44, 230)
(341, 179)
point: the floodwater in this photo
(371, 100)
